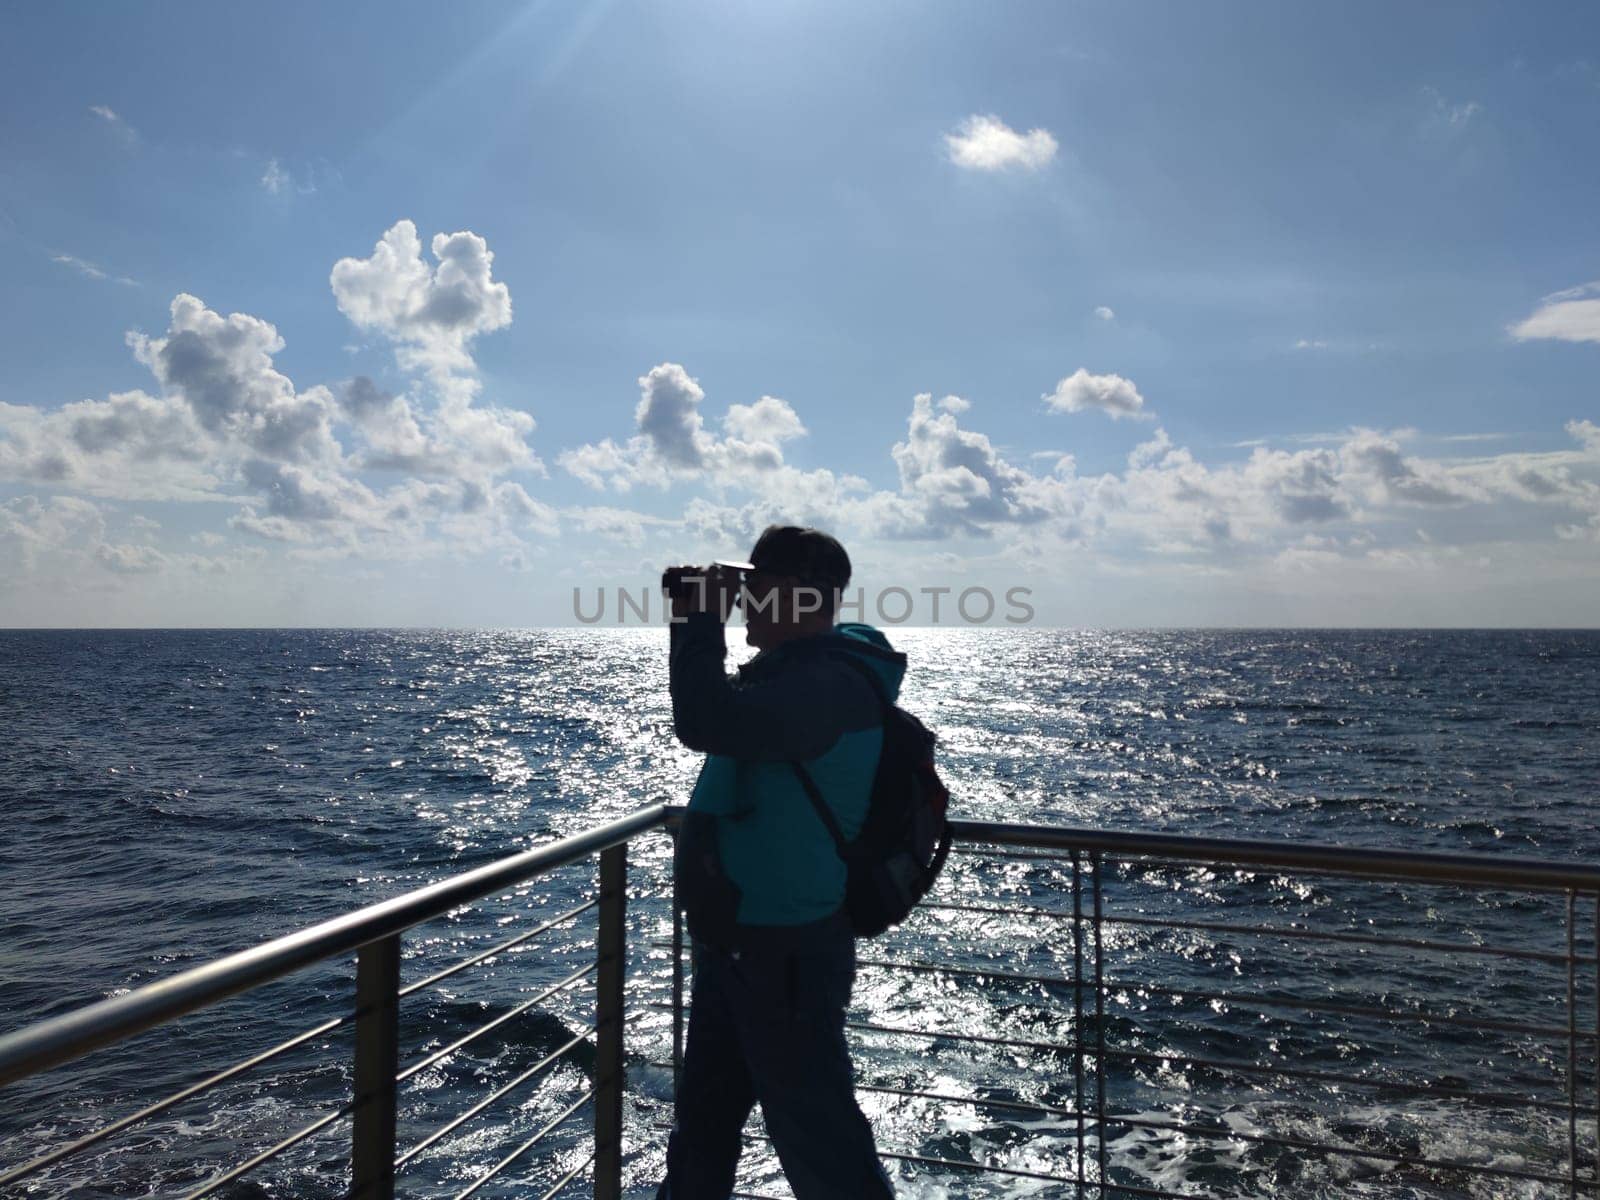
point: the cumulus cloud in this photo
(986, 143)
(1377, 460)
(351, 469)
(668, 415)
(431, 313)
(1111, 394)
(1355, 498)
(129, 559)
(673, 444)
(1569, 316)
(31, 527)
(1104, 314)
(221, 367)
(954, 479)
(769, 419)
(618, 524)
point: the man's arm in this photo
(791, 717)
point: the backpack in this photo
(903, 842)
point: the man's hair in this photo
(811, 556)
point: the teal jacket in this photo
(794, 703)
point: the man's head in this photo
(794, 588)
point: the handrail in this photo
(375, 931)
(1424, 866)
(61, 1039)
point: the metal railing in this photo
(374, 933)
(1115, 1006)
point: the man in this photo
(759, 875)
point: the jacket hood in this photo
(870, 646)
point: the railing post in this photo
(677, 991)
(377, 1062)
(611, 948)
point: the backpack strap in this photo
(814, 794)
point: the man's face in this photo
(776, 607)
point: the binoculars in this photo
(680, 583)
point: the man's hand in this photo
(704, 589)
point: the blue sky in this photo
(1251, 314)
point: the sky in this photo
(480, 315)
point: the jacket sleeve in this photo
(789, 717)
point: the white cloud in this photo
(618, 524)
(129, 559)
(1569, 316)
(1377, 461)
(769, 419)
(668, 415)
(32, 528)
(221, 367)
(1448, 114)
(1111, 394)
(1104, 314)
(230, 428)
(954, 479)
(123, 130)
(1311, 344)
(432, 314)
(275, 179)
(986, 143)
(89, 270)
(673, 444)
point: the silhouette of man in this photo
(759, 877)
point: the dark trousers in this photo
(768, 1025)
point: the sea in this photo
(171, 796)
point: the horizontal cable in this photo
(950, 1162)
(1365, 939)
(1222, 1132)
(948, 969)
(1490, 1099)
(493, 950)
(527, 1145)
(294, 1139)
(1017, 1172)
(1047, 1110)
(1418, 1089)
(57, 1040)
(1243, 1000)
(160, 1106)
(1483, 872)
(1019, 1043)
(508, 1015)
(454, 1124)
(1109, 1187)
(1133, 859)
(985, 1168)
(568, 1177)
(1351, 1010)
